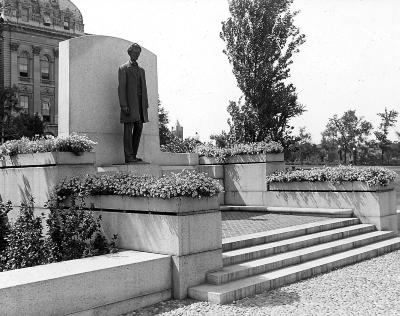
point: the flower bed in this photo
(183, 184)
(222, 155)
(73, 143)
(370, 175)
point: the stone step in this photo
(260, 251)
(330, 212)
(246, 269)
(244, 241)
(314, 211)
(229, 292)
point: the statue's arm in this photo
(123, 99)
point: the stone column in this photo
(54, 115)
(36, 79)
(14, 63)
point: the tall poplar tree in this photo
(261, 39)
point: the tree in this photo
(163, 120)
(388, 120)
(261, 39)
(348, 132)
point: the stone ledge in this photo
(47, 159)
(80, 285)
(177, 205)
(317, 186)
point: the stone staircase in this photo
(267, 260)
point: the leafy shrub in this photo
(72, 143)
(25, 243)
(265, 147)
(5, 208)
(176, 145)
(75, 233)
(370, 175)
(185, 183)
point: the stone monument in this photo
(88, 98)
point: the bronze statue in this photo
(132, 92)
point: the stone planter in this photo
(243, 159)
(372, 204)
(47, 159)
(188, 229)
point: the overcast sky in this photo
(351, 59)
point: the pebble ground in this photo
(371, 287)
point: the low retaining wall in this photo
(374, 205)
(103, 285)
(188, 229)
(27, 176)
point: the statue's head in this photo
(134, 51)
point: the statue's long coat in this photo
(128, 94)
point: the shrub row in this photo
(370, 175)
(221, 154)
(186, 183)
(73, 143)
(73, 233)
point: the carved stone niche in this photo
(25, 89)
(36, 50)
(14, 46)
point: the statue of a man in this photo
(132, 92)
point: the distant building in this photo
(178, 131)
(29, 41)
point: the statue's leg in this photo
(137, 133)
(128, 150)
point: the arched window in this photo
(45, 67)
(23, 65)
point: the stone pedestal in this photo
(188, 229)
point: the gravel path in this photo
(368, 288)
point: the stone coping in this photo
(346, 186)
(73, 267)
(47, 159)
(172, 206)
(243, 159)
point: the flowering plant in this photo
(370, 175)
(73, 143)
(186, 183)
(264, 147)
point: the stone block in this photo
(176, 159)
(20, 184)
(164, 234)
(80, 285)
(213, 171)
(389, 222)
(177, 205)
(253, 198)
(135, 169)
(191, 270)
(47, 159)
(245, 177)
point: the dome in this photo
(46, 11)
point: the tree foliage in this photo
(347, 131)
(388, 120)
(165, 134)
(261, 39)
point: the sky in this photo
(351, 58)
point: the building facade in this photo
(31, 31)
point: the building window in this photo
(66, 23)
(23, 64)
(24, 103)
(46, 19)
(46, 109)
(25, 14)
(45, 68)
